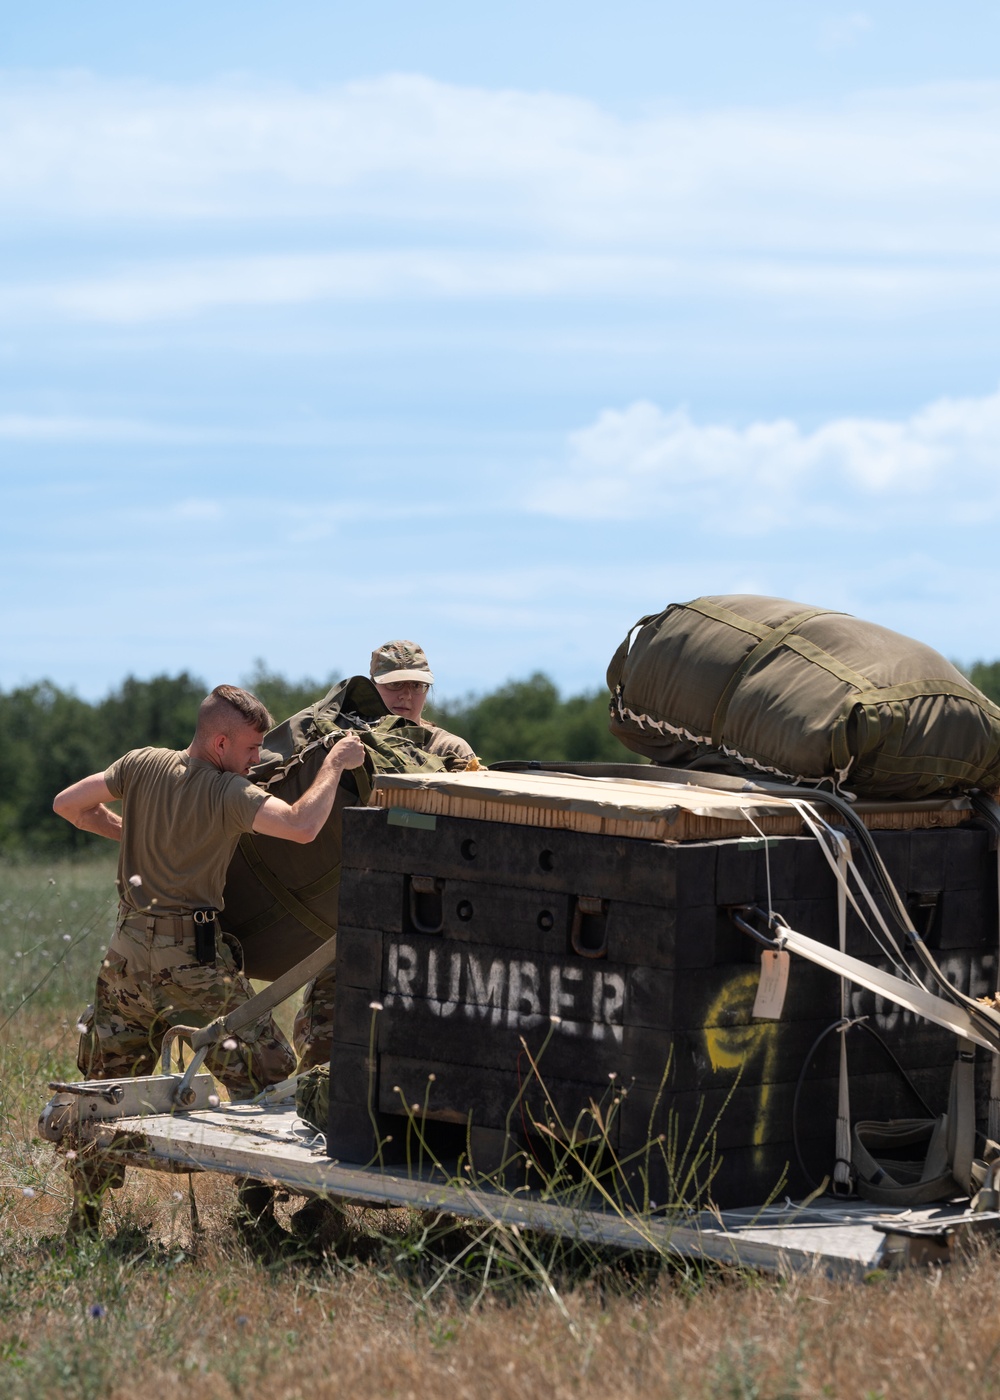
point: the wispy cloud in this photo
(940, 464)
(73, 430)
(43, 429)
(897, 171)
(175, 290)
(406, 188)
(181, 290)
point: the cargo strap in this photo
(985, 1019)
(289, 901)
(325, 741)
(202, 1039)
(842, 867)
(363, 784)
(770, 637)
(908, 995)
(773, 638)
(946, 1165)
(988, 810)
(264, 1002)
(274, 913)
(842, 1175)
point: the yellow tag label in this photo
(772, 986)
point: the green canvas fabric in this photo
(281, 897)
(803, 694)
(312, 1096)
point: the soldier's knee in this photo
(88, 1053)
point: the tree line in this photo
(50, 737)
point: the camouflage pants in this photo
(149, 982)
(312, 1031)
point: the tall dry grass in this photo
(411, 1310)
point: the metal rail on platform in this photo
(272, 1143)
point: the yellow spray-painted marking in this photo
(736, 1045)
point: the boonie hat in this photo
(400, 661)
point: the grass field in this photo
(413, 1310)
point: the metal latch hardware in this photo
(588, 935)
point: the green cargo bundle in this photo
(281, 898)
(801, 694)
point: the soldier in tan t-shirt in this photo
(169, 962)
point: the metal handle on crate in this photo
(425, 885)
(588, 906)
(774, 922)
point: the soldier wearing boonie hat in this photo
(402, 677)
(394, 662)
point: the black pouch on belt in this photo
(204, 935)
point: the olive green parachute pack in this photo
(312, 1096)
(281, 897)
(801, 694)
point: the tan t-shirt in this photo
(181, 821)
(444, 745)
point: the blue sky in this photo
(497, 331)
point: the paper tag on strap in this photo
(773, 984)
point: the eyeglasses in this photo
(397, 687)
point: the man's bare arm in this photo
(303, 820)
(82, 804)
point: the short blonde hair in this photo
(228, 707)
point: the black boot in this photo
(85, 1217)
(92, 1177)
(256, 1224)
(324, 1226)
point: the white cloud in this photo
(408, 188)
(180, 290)
(77, 431)
(940, 464)
(899, 172)
(176, 290)
(35, 428)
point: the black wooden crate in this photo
(629, 945)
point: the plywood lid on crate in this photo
(627, 806)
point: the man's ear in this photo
(220, 742)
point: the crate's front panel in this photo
(502, 974)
